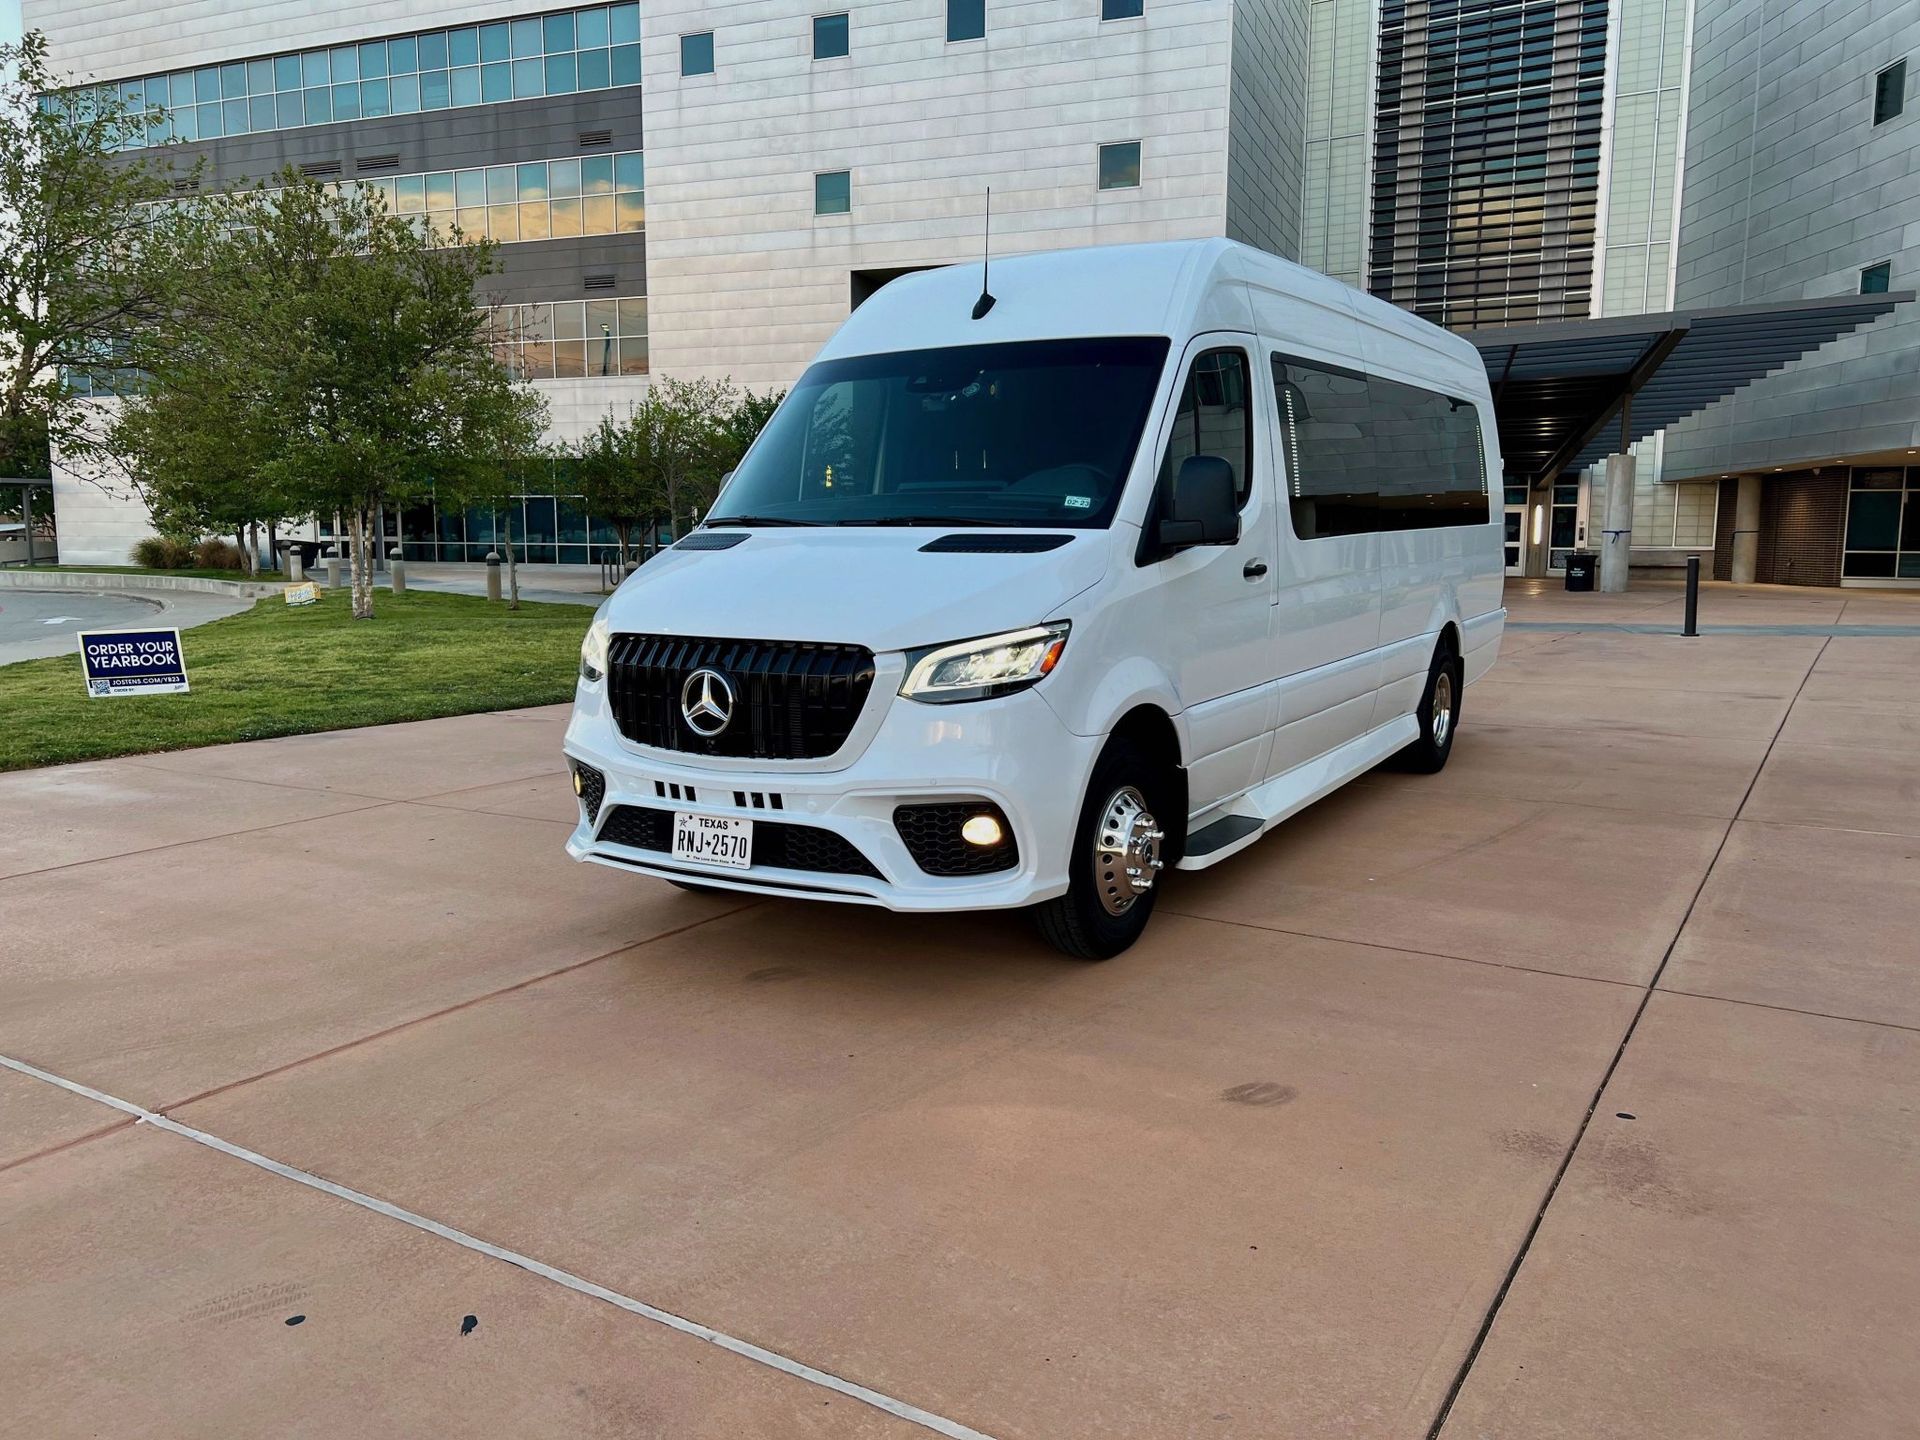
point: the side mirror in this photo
(1202, 510)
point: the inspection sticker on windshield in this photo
(713, 840)
(1078, 502)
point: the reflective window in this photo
(1363, 454)
(696, 53)
(1876, 279)
(832, 192)
(1883, 524)
(540, 200)
(966, 19)
(556, 54)
(1120, 166)
(1121, 9)
(1890, 92)
(829, 36)
(570, 339)
(1213, 418)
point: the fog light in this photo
(579, 785)
(982, 830)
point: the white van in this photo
(1022, 600)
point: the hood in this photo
(854, 586)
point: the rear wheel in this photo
(1439, 714)
(1117, 858)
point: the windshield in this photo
(1039, 433)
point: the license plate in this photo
(713, 840)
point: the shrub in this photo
(219, 555)
(163, 552)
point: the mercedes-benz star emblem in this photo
(706, 703)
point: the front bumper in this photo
(1011, 751)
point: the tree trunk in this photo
(362, 566)
(253, 549)
(621, 530)
(273, 542)
(513, 572)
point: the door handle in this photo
(1254, 569)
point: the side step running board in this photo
(1221, 833)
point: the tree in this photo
(611, 486)
(500, 476)
(87, 261)
(350, 338)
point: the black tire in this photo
(1080, 923)
(1446, 683)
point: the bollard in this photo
(397, 570)
(296, 571)
(1693, 596)
(333, 569)
(493, 574)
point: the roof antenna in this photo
(985, 302)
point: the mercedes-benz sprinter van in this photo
(1027, 598)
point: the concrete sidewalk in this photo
(1570, 1092)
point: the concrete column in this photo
(1616, 538)
(1746, 531)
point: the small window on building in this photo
(1120, 166)
(696, 54)
(1890, 92)
(829, 36)
(966, 19)
(1122, 9)
(832, 192)
(1877, 279)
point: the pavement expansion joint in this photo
(746, 1349)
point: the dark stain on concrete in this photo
(1259, 1092)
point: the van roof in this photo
(1173, 287)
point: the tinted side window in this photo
(1214, 419)
(1365, 454)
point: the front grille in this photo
(593, 789)
(932, 836)
(792, 700)
(776, 844)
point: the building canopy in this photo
(1560, 388)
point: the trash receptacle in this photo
(1582, 566)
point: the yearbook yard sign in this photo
(133, 662)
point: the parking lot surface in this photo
(1571, 1092)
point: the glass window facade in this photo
(829, 36)
(1876, 279)
(543, 200)
(1120, 166)
(832, 193)
(1890, 92)
(1883, 524)
(571, 339)
(594, 48)
(1486, 159)
(548, 526)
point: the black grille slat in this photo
(777, 844)
(793, 700)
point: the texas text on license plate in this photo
(713, 840)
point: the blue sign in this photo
(133, 662)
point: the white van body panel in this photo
(1277, 684)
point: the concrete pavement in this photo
(1567, 1093)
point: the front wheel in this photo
(1117, 858)
(1439, 715)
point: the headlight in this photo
(593, 650)
(991, 665)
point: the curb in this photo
(69, 580)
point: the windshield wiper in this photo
(934, 520)
(757, 520)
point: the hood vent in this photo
(712, 540)
(969, 542)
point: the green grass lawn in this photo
(287, 670)
(191, 574)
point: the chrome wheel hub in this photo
(1442, 707)
(1126, 851)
